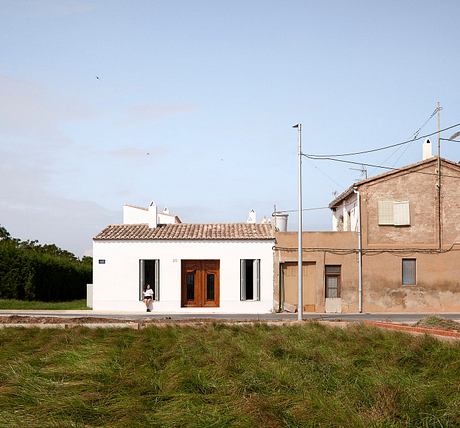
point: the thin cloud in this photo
(138, 152)
(29, 110)
(143, 112)
(30, 210)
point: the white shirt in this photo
(148, 293)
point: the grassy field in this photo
(219, 375)
(25, 304)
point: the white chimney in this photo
(427, 153)
(152, 215)
(252, 217)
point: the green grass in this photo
(26, 304)
(227, 376)
(439, 322)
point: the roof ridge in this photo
(423, 162)
(187, 231)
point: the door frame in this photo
(201, 269)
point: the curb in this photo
(133, 326)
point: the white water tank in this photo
(280, 222)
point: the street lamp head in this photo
(297, 125)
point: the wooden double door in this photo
(200, 283)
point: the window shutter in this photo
(256, 279)
(401, 213)
(157, 279)
(141, 278)
(243, 279)
(386, 213)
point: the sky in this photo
(191, 104)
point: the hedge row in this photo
(28, 273)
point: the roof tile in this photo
(183, 231)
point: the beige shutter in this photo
(401, 213)
(386, 215)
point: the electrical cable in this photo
(377, 166)
(304, 209)
(383, 147)
(416, 133)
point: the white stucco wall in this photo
(348, 211)
(134, 215)
(116, 283)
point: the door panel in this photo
(289, 273)
(200, 283)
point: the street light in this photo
(299, 232)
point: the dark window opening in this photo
(149, 273)
(250, 279)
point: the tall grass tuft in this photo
(217, 375)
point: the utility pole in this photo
(438, 184)
(299, 233)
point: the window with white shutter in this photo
(386, 213)
(250, 279)
(401, 213)
(394, 213)
(149, 273)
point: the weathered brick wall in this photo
(420, 190)
(315, 244)
(437, 286)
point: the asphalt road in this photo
(393, 317)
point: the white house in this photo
(193, 268)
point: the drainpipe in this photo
(360, 255)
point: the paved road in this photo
(394, 317)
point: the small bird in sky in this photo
(148, 154)
(98, 78)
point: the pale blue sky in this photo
(210, 89)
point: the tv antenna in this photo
(362, 170)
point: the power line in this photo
(304, 209)
(377, 166)
(416, 133)
(326, 175)
(426, 121)
(383, 147)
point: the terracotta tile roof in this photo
(182, 231)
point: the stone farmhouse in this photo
(394, 246)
